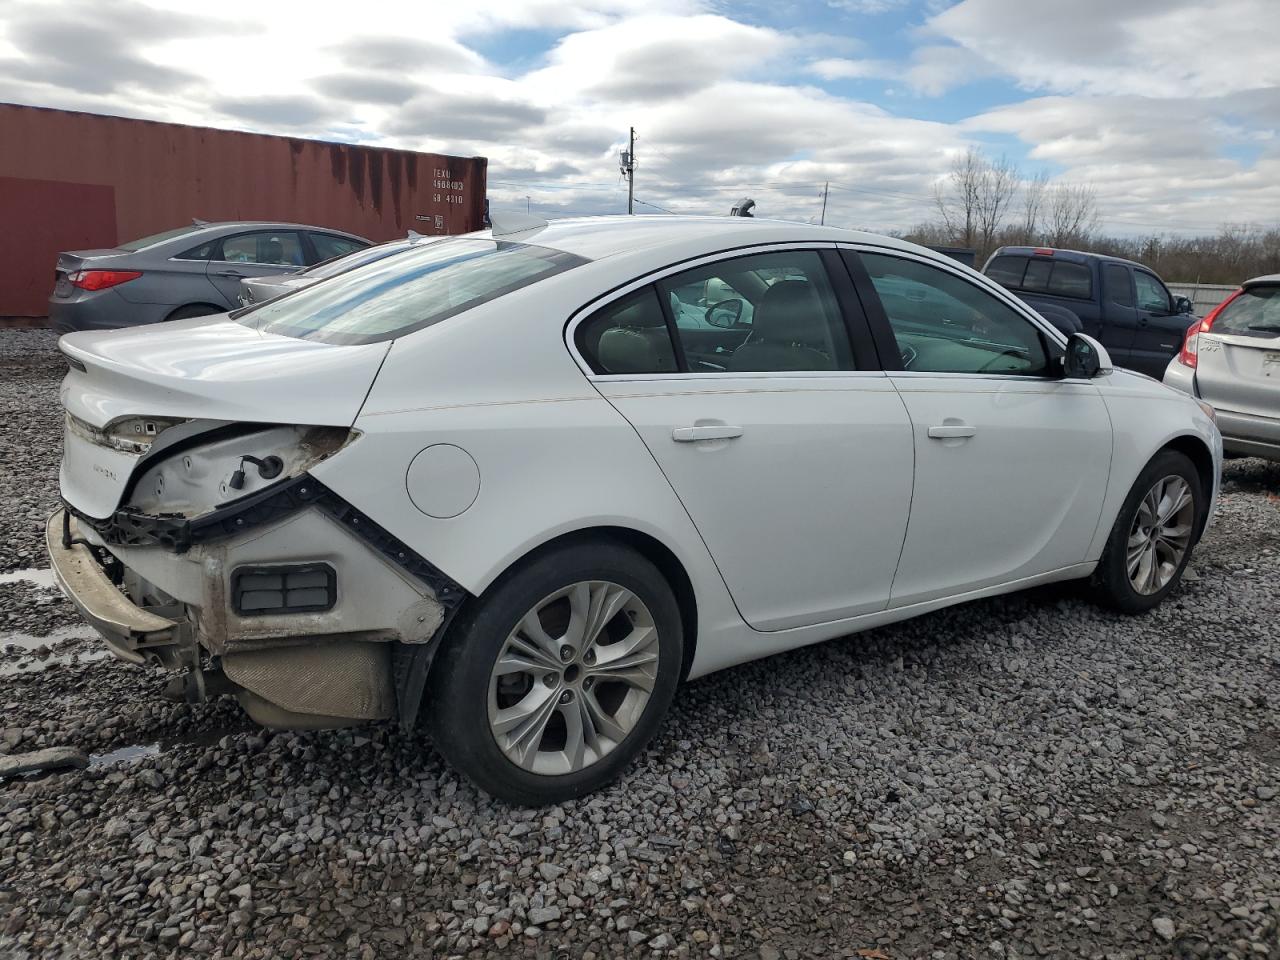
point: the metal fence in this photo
(1203, 296)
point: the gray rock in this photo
(36, 761)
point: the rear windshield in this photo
(1061, 278)
(397, 295)
(336, 265)
(155, 238)
(1255, 313)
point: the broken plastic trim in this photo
(409, 663)
(128, 527)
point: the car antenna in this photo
(197, 222)
(507, 223)
(413, 235)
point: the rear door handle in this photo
(951, 431)
(228, 273)
(719, 431)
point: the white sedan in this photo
(519, 485)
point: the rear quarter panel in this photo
(554, 456)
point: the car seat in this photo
(789, 331)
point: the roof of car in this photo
(1269, 280)
(1074, 256)
(598, 237)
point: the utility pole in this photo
(628, 167)
(823, 218)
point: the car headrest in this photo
(790, 312)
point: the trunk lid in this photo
(208, 369)
(1238, 364)
(71, 261)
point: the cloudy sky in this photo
(1168, 107)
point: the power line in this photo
(645, 203)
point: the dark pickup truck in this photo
(1118, 302)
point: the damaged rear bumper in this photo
(126, 627)
(183, 594)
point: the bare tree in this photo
(997, 187)
(974, 199)
(957, 198)
(1033, 192)
(1072, 214)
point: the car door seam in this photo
(911, 495)
(680, 500)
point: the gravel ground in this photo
(1022, 777)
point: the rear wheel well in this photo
(1194, 449)
(195, 310)
(657, 553)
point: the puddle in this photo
(26, 660)
(41, 578)
(122, 755)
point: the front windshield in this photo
(396, 295)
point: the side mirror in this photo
(1182, 305)
(725, 314)
(1085, 358)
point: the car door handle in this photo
(718, 431)
(952, 431)
(229, 273)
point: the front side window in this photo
(1152, 295)
(944, 324)
(767, 312)
(400, 294)
(329, 246)
(1255, 313)
(274, 247)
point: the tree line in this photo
(986, 203)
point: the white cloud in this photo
(1156, 48)
(1162, 104)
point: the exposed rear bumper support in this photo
(123, 624)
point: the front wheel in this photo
(1153, 535)
(554, 679)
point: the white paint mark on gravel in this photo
(41, 578)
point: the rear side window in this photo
(202, 252)
(1007, 271)
(397, 295)
(1070, 280)
(1060, 278)
(275, 247)
(628, 336)
(329, 246)
(1115, 279)
(1255, 313)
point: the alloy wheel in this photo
(1160, 535)
(573, 678)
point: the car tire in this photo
(194, 310)
(1141, 564)
(597, 723)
